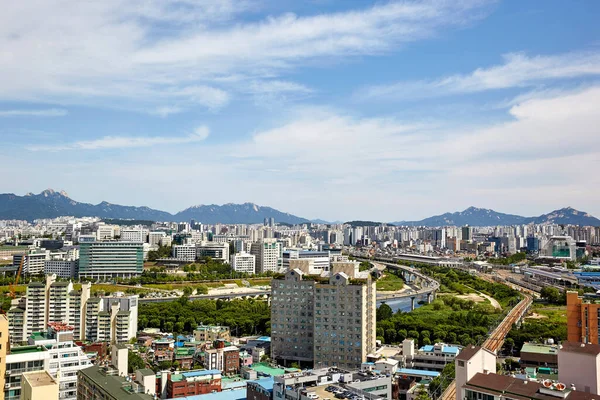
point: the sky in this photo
(332, 109)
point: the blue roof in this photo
(192, 374)
(225, 395)
(418, 372)
(264, 339)
(429, 347)
(445, 349)
(265, 383)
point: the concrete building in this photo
(108, 260)
(193, 383)
(111, 319)
(154, 238)
(582, 319)
(320, 259)
(539, 355)
(216, 251)
(223, 358)
(579, 365)
(102, 383)
(39, 385)
(470, 361)
(210, 333)
(560, 247)
(136, 235)
(243, 262)
(260, 389)
(184, 252)
(266, 252)
(33, 261)
(62, 268)
(430, 358)
(4, 345)
(20, 360)
(323, 320)
(65, 357)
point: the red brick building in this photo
(193, 383)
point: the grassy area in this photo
(179, 286)
(389, 283)
(546, 321)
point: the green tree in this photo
(384, 312)
(390, 335)
(135, 362)
(551, 294)
(187, 291)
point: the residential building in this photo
(35, 317)
(111, 319)
(471, 361)
(185, 252)
(20, 360)
(4, 345)
(579, 366)
(108, 260)
(39, 385)
(62, 268)
(223, 358)
(430, 357)
(323, 320)
(216, 251)
(17, 325)
(243, 262)
(66, 358)
(210, 333)
(103, 383)
(193, 383)
(127, 316)
(260, 389)
(266, 252)
(582, 319)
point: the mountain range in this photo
(474, 216)
(52, 204)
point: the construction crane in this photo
(12, 286)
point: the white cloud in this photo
(121, 142)
(165, 111)
(51, 112)
(518, 70)
(181, 52)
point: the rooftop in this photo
(265, 383)
(27, 349)
(117, 387)
(539, 348)
(266, 369)
(418, 372)
(39, 378)
(226, 395)
(582, 348)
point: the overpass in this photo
(429, 286)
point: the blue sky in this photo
(350, 109)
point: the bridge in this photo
(429, 286)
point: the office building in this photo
(62, 268)
(39, 385)
(108, 260)
(65, 357)
(582, 319)
(266, 252)
(467, 233)
(560, 247)
(33, 262)
(137, 235)
(184, 252)
(216, 251)
(154, 238)
(243, 262)
(320, 259)
(323, 321)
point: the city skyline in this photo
(326, 109)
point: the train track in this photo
(495, 341)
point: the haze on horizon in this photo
(340, 110)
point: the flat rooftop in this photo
(116, 387)
(27, 349)
(539, 348)
(39, 378)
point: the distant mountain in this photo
(52, 204)
(247, 213)
(474, 216)
(567, 216)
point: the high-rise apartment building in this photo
(323, 321)
(111, 319)
(109, 260)
(266, 252)
(4, 339)
(583, 319)
(243, 262)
